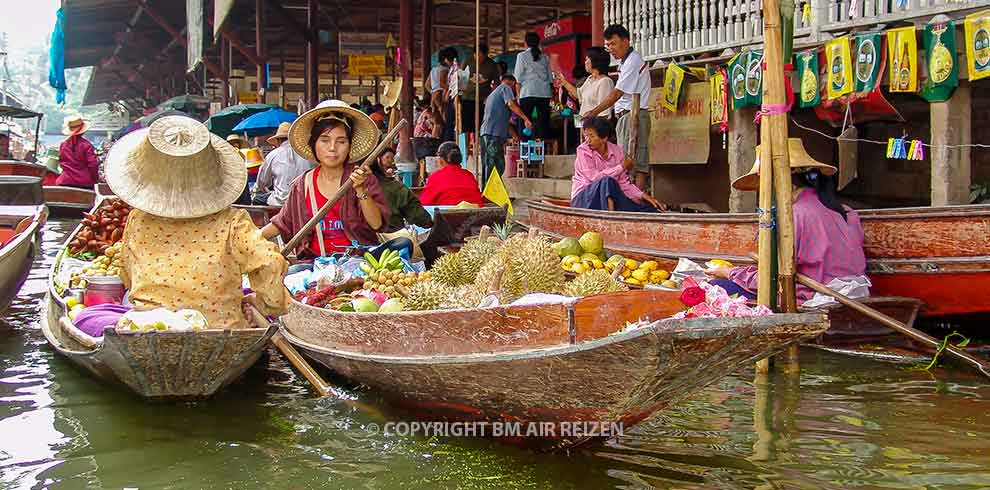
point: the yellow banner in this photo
(718, 97)
(672, 87)
(902, 53)
(360, 65)
(977, 27)
(840, 70)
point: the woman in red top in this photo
(451, 184)
(337, 137)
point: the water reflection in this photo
(842, 424)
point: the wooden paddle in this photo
(889, 322)
(344, 188)
(287, 350)
(893, 324)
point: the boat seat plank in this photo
(598, 316)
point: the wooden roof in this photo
(135, 57)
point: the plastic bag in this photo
(849, 286)
(162, 319)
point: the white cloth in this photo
(281, 167)
(533, 76)
(634, 78)
(851, 287)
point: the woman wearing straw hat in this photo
(828, 237)
(337, 137)
(76, 155)
(184, 246)
(282, 166)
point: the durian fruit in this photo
(447, 270)
(476, 251)
(466, 296)
(595, 281)
(510, 287)
(427, 295)
(541, 263)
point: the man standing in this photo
(495, 128)
(484, 76)
(634, 78)
(281, 167)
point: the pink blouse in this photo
(589, 166)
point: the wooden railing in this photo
(663, 29)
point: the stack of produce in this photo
(100, 229)
(388, 281)
(106, 265)
(588, 254)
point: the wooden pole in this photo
(259, 48)
(774, 124)
(505, 27)
(598, 22)
(477, 88)
(406, 46)
(312, 55)
(426, 48)
(225, 74)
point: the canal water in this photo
(843, 424)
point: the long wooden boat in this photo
(62, 201)
(940, 255)
(158, 365)
(20, 241)
(558, 364)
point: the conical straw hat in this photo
(175, 168)
(364, 132)
(281, 134)
(391, 92)
(800, 160)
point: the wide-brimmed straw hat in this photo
(236, 138)
(364, 132)
(800, 161)
(281, 134)
(74, 125)
(175, 168)
(390, 94)
(252, 157)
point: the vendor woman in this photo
(601, 174)
(828, 237)
(184, 247)
(338, 137)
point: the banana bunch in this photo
(388, 261)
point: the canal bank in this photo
(849, 424)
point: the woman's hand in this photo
(358, 178)
(653, 202)
(719, 272)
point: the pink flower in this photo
(692, 296)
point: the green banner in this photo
(867, 59)
(941, 60)
(754, 78)
(806, 64)
(745, 72)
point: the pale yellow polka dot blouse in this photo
(198, 263)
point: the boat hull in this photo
(69, 202)
(17, 256)
(933, 254)
(558, 367)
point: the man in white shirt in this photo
(282, 166)
(634, 78)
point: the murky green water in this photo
(848, 424)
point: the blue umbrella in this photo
(264, 122)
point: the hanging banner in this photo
(360, 65)
(194, 31)
(940, 53)
(682, 136)
(737, 80)
(902, 49)
(839, 60)
(717, 86)
(855, 108)
(754, 77)
(868, 57)
(672, 87)
(977, 27)
(220, 10)
(807, 71)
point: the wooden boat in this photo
(62, 201)
(20, 241)
(557, 364)
(940, 255)
(158, 365)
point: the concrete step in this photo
(525, 188)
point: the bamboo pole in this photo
(477, 90)
(776, 126)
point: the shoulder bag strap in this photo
(309, 176)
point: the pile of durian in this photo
(520, 264)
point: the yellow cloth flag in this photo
(977, 27)
(902, 53)
(672, 87)
(840, 73)
(496, 192)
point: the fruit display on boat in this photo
(107, 265)
(100, 230)
(586, 254)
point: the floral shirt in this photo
(198, 264)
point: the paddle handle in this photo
(344, 188)
(633, 123)
(293, 356)
(890, 322)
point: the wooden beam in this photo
(406, 14)
(259, 46)
(235, 42)
(176, 35)
(298, 28)
(312, 54)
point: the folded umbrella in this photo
(264, 122)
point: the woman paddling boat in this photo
(828, 237)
